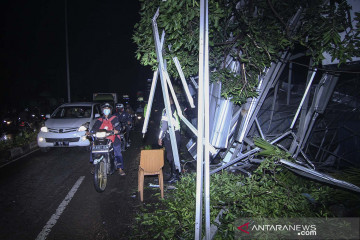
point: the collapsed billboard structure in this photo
(294, 113)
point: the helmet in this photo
(106, 105)
(119, 105)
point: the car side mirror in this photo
(97, 115)
(47, 115)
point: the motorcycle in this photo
(123, 141)
(103, 158)
(25, 126)
(30, 123)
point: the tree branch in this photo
(278, 16)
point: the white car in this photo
(67, 126)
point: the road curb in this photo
(16, 152)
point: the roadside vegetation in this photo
(271, 191)
(254, 33)
(18, 141)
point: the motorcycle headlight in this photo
(44, 129)
(100, 134)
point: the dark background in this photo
(101, 51)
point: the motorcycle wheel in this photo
(123, 146)
(100, 177)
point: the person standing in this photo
(164, 139)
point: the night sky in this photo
(101, 51)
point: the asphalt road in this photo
(51, 196)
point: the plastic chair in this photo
(151, 163)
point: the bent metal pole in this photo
(203, 127)
(150, 101)
(162, 72)
(152, 91)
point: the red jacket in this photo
(111, 123)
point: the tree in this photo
(252, 32)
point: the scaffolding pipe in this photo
(182, 77)
(207, 127)
(152, 91)
(304, 139)
(271, 76)
(194, 83)
(199, 152)
(259, 128)
(321, 144)
(181, 115)
(273, 104)
(255, 150)
(250, 112)
(165, 91)
(203, 127)
(289, 84)
(150, 101)
(333, 154)
(319, 176)
(303, 99)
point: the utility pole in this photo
(67, 54)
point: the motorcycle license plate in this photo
(61, 144)
(100, 147)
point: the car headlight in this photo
(44, 129)
(82, 128)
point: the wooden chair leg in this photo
(141, 185)
(139, 180)
(161, 183)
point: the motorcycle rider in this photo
(131, 112)
(111, 122)
(25, 122)
(164, 138)
(125, 121)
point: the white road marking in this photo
(19, 158)
(52, 221)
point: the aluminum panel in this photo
(221, 124)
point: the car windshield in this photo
(72, 112)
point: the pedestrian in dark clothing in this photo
(164, 139)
